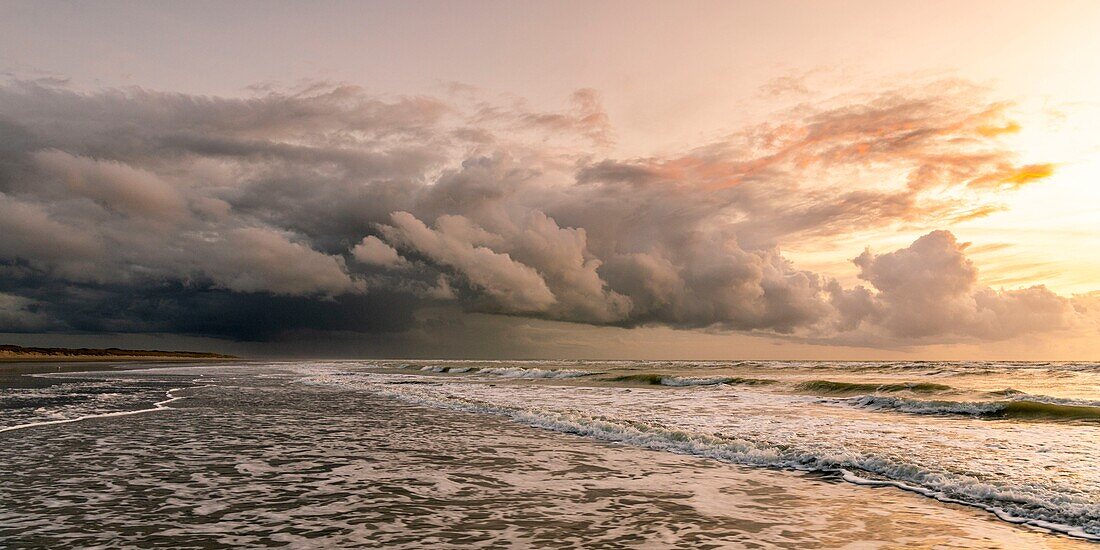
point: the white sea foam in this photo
(693, 381)
(445, 368)
(686, 381)
(901, 475)
(1017, 406)
(158, 406)
(516, 372)
(949, 462)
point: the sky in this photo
(787, 180)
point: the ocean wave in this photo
(517, 372)
(1022, 407)
(832, 388)
(506, 372)
(666, 380)
(1007, 392)
(440, 368)
(1066, 513)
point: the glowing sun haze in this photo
(682, 179)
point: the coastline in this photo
(9, 359)
(23, 354)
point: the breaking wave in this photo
(506, 372)
(517, 372)
(1026, 408)
(840, 388)
(1070, 514)
(665, 380)
(437, 368)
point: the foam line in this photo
(1070, 530)
(1022, 406)
(158, 406)
(742, 453)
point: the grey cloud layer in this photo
(329, 209)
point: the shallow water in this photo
(624, 454)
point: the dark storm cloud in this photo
(331, 210)
(171, 307)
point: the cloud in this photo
(912, 156)
(329, 209)
(115, 185)
(254, 259)
(31, 234)
(930, 289)
(371, 250)
(18, 314)
(456, 243)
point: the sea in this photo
(550, 454)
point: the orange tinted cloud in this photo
(979, 212)
(913, 155)
(1013, 177)
(1029, 173)
(1011, 127)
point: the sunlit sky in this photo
(672, 76)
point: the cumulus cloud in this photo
(114, 185)
(930, 289)
(458, 244)
(371, 250)
(254, 259)
(328, 208)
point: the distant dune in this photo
(20, 353)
